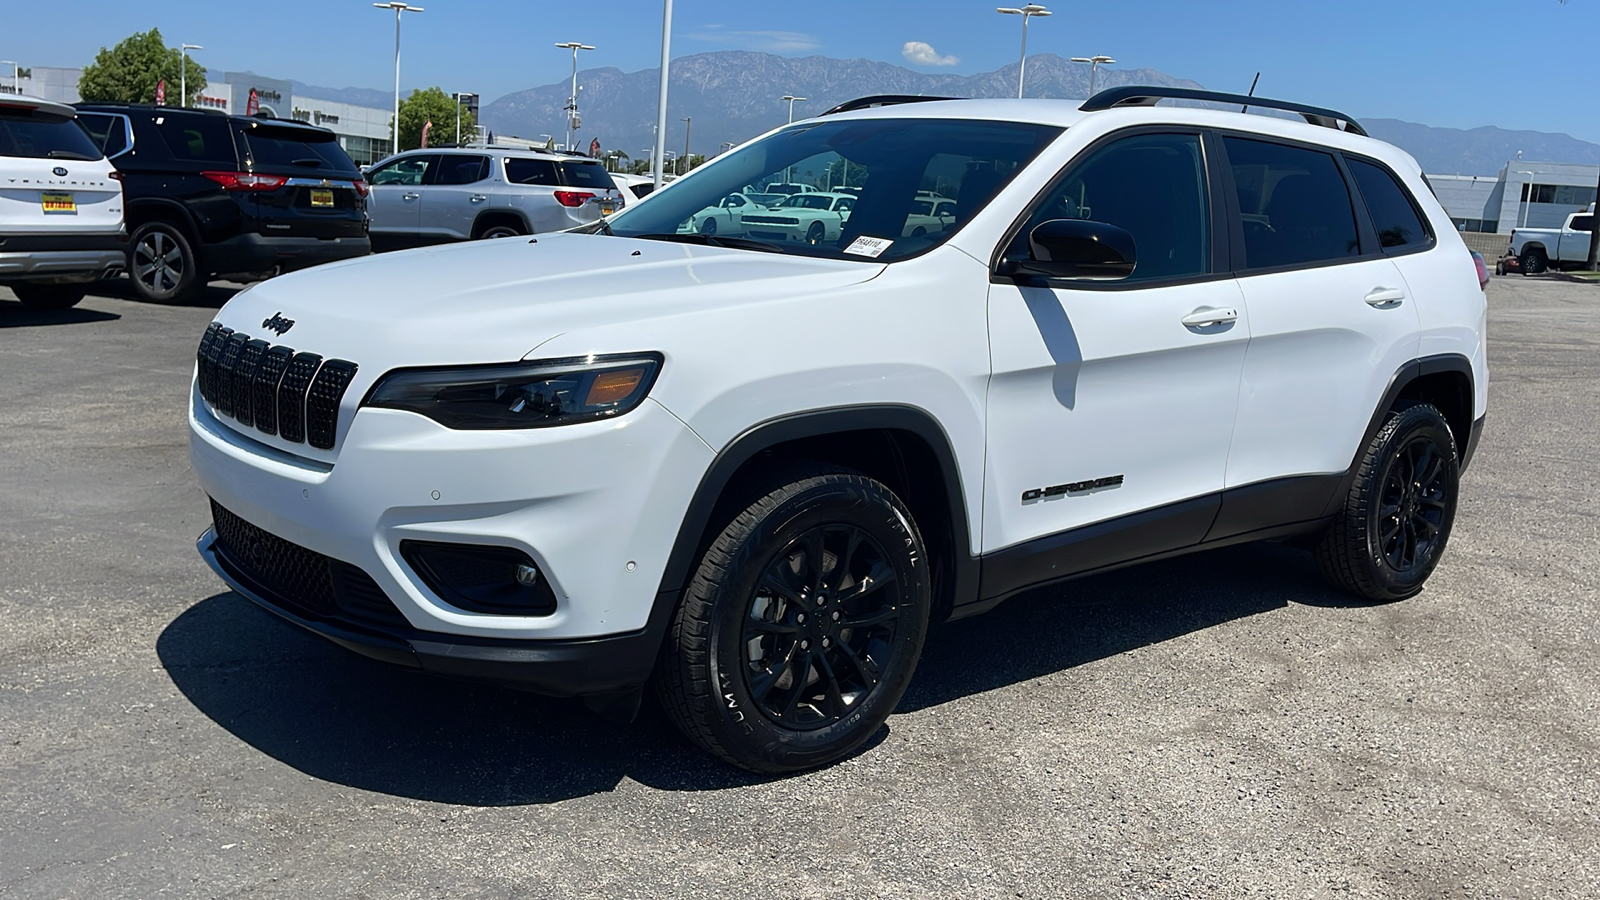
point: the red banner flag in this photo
(253, 105)
(594, 148)
(161, 92)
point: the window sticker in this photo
(871, 247)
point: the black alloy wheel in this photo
(1534, 262)
(820, 627)
(495, 232)
(802, 626)
(162, 265)
(1391, 532)
(816, 233)
(708, 225)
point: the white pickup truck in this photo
(1540, 248)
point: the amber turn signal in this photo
(613, 387)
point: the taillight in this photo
(361, 186)
(573, 198)
(247, 181)
(114, 176)
(1483, 270)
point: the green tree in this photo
(431, 105)
(128, 72)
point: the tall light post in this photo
(1094, 62)
(399, 6)
(183, 70)
(572, 101)
(688, 123)
(16, 75)
(661, 101)
(792, 101)
(1527, 204)
(1026, 12)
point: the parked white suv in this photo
(435, 196)
(60, 205)
(753, 473)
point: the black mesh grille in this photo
(292, 396)
(265, 388)
(275, 389)
(302, 580)
(322, 401)
(244, 374)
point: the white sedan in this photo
(726, 217)
(813, 218)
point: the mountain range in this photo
(733, 95)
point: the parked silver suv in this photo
(434, 196)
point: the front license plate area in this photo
(58, 204)
(321, 198)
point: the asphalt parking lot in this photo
(1217, 726)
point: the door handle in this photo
(409, 196)
(1201, 318)
(1385, 298)
(478, 198)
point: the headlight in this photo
(521, 395)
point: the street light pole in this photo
(792, 101)
(1026, 12)
(399, 6)
(661, 102)
(183, 70)
(572, 101)
(1094, 63)
(1527, 204)
(688, 124)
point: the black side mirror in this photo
(1077, 248)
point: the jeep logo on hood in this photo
(278, 323)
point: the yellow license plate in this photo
(321, 197)
(607, 207)
(58, 203)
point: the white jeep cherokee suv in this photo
(752, 474)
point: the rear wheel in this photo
(802, 626)
(501, 229)
(162, 264)
(49, 296)
(1534, 262)
(1396, 519)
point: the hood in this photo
(496, 301)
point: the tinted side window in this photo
(1393, 214)
(198, 138)
(1294, 203)
(462, 169)
(1583, 223)
(1152, 186)
(408, 171)
(531, 171)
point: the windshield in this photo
(893, 167)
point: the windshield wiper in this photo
(67, 154)
(711, 240)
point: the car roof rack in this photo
(881, 100)
(1149, 95)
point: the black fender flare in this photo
(818, 423)
(1402, 378)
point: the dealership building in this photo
(362, 130)
(1524, 194)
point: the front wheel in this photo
(708, 225)
(816, 233)
(1534, 262)
(49, 296)
(802, 626)
(1388, 537)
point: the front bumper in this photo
(561, 668)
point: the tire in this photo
(162, 266)
(708, 226)
(816, 233)
(768, 667)
(501, 230)
(1394, 524)
(49, 296)
(918, 231)
(1534, 262)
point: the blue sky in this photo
(1450, 63)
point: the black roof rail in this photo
(881, 100)
(1149, 95)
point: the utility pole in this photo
(572, 101)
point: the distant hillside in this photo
(352, 95)
(1478, 151)
(732, 95)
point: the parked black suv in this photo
(212, 195)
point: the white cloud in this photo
(769, 41)
(920, 54)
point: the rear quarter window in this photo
(532, 171)
(1394, 214)
(197, 138)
